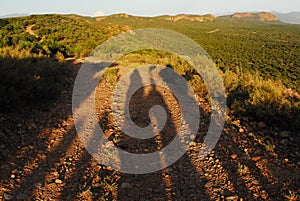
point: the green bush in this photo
(263, 99)
(3, 22)
(110, 75)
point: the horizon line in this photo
(137, 15)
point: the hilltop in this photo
(292, 17)
(192, 18)
(260, 16)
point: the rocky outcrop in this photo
(193, 18)
(262, 16)
(98, 19)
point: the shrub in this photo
(30, 82)
(3, 22)
(59, 56)
(249, 94)
(110, 75)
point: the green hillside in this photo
(270, 47)
(71, 35)
(260, 52)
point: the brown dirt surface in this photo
(29, 30)
(42, 157)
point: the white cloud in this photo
(98, 13)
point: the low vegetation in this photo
(248, 93)
(258, 60)
(263, 99)
(29, 80)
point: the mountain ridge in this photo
(290, 17)
(261, 16)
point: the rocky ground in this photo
(42, 157)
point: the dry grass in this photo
(266, 99)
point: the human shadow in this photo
(44, 158)
(49, 160)
(180, 181)
(251, 169)
(28, 157)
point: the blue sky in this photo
(145, 7)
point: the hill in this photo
(261, 16)
(193, 18)
(267, 48)
(15, 15)
(292, 17)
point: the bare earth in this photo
(43, 159)
(29, 30)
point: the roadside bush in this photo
(30, 82)
(111, 76)
(59, 56)
(249, 94)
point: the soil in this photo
(29, 30)
(42, 157)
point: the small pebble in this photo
(55, 174)
(257, 158)
(58, 181)
(232, 198)
(192, 143)
(261, 124)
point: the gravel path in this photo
(42, 157)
